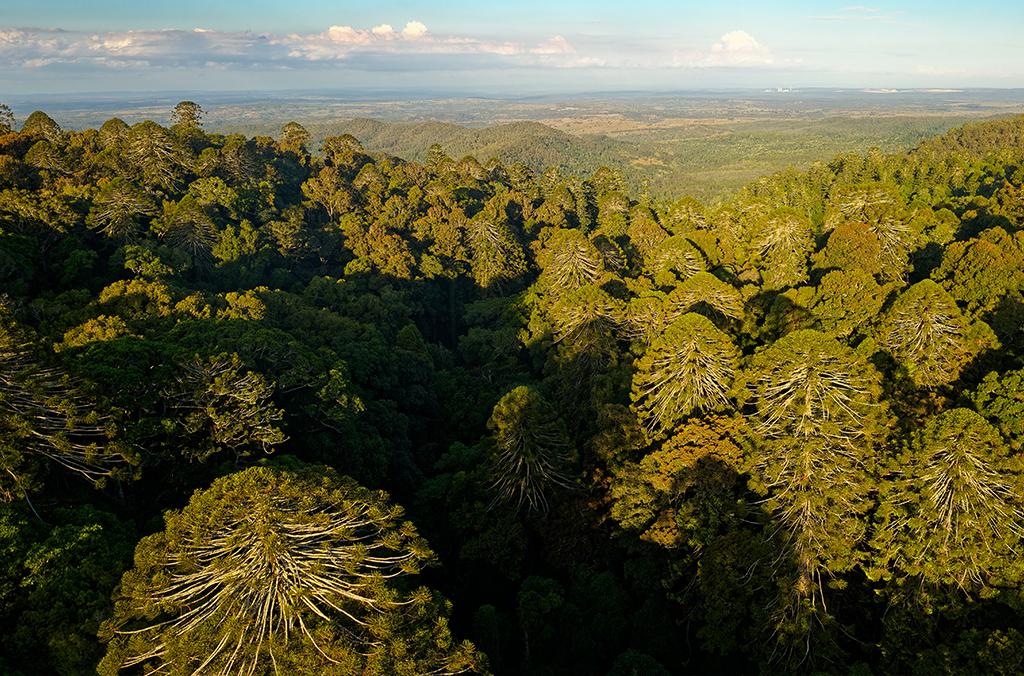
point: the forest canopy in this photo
(267, 408)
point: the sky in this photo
(70, 46)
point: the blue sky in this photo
(54, 46)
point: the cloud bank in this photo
(377, 47)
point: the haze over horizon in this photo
(60, 46)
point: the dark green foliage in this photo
(998, 399)
(39, 124)
(531, 449)
(6, 119)
(845, 301)
(56, 583)
(643, 435)
(188, 114)
(688, 368)
(783, 240)
(927, 334)
(118, 210)
(817, 412)
(47, 419)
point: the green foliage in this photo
(57, 584)
(42, 125)
(847, 300)
(714, 439)
(635, 663)
(926, 332)
(151, 262)
(953, 513)
(268, 565)
(997, 398)
(980, 272)
(853, 247)
(156, 155)
(707, 295)
(188, 115)
(688, 368)
(531, 449)
(815, 404)
(784, 239)
(569, 261)
(682, 493)
(294, 137)
(497, 258)
(46, 418)
(6, 119)
(585, 319)
(675, 259)
(218, 405)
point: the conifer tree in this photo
(156, 155)
(674, 260)
(707, 295)
(531, 449)
(954, 512)
(926, 332)
(846, 300)
(569, 260)
(45, 416)
(784, 239)
(815, 405)
(188, 115)
(118, 208)
(689, 368)
(275, 572)
(220, 405)
(6, 119)
(497, 257)
(41, 125)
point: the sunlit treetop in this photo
(954, 513)
(927, 333)
(188, 114)
(273, 572)
(687, 369)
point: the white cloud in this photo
(556, 45)
(739, 42)
(735, 49)
(347, 34)
(501, 48)
(414, 29)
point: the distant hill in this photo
(533, 144)
(976, 141)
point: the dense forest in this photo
(274, 409)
